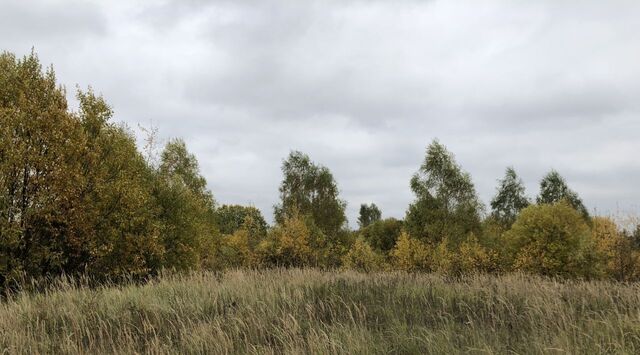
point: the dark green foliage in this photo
(553, 188)
(310, 190)
(446, 203)
(231, 218)
(383, 234)
(178, 163)
(509, 200)
(186, 208)
(368, 214)
(634, 237)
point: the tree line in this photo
(77, 196)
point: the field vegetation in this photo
(296, 311)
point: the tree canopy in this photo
(310, 190)
(446, 203)
(368, 214)
(509, 200)
(554, 188)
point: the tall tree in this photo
(116, 225)
(553, 188)
(368, 215)
(186, 209)
(446, 203)
(39, 168)
(177, 162)
(509, 200)
(310, 190)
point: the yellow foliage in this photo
(470, 256)
(444, 259)
(410, 254)
(607, 242)
(288, 244)
(616, 257)
(362, 257)
(475, 257)
(551, 240)
(238, 242)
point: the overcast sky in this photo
(362, 87)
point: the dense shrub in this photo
(363, 258)
(231, 218)
(382, 234)
(289, 244)
(410, 254)
(551, 239)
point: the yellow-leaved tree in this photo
(551, 239)
(288, 243)
(362, 257)
(616, 256)
(410, 254)
(474, 257)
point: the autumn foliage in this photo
(77, 196)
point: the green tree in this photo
(383, 234)
(368, 215)
(554, 188)
(509, 200)
(186, 209)
(115, 222)
(176, 161)
(551, 239)
(231, 218)
(75, 191)
(39, 168)
(635, 237)
(446, 203)
(310, 190)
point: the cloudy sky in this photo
(362, 87)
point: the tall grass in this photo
(310, 311)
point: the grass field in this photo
(310, 311)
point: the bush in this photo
(231, 218)
(552, 240)
(362, 257)
(382, 235)
(410, 254)
(288, 244)
(616, 256)
(467, 257)
(476, 257)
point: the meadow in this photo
(295, 311)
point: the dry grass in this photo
(311, 311)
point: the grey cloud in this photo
(54, 21)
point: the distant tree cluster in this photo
(77, 196)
